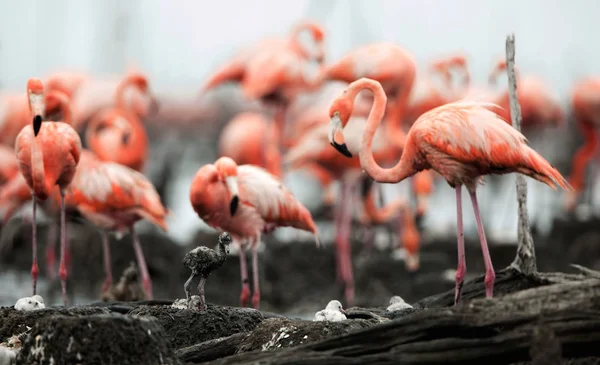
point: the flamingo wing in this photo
(471, 134)
(265, 192)
(106, 187)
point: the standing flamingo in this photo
(48, 155)
(114, 197)
(246, 201)
(235, 70)
(585, 99)
(462, 141)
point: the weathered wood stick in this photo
(525, 260)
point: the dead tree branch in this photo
(525, 260)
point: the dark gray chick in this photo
(203, 261)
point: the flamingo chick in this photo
(246, 201)
(48, 155)
(462, 141)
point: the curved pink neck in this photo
(403, 168)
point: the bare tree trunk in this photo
(525, 259)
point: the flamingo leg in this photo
(62, 269)
(107, 268)
(461, 270)
(255, 275)
(490, 275)
(338, 215)
(202, 304)
(344, 246)
(139, 254)
(245, 294)
(51, 252)
(34, 266)
(186, 287)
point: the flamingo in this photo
(9, 165)
(444, 64)
(67, 82)
(539, 106)
(14, 115)
(235, 70)
(242, 139)
(95, 95)
(246, 201)
(462, 141)
(48, 155)
(114, 197)
(585, 98)
(117, 134)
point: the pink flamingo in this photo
(48, 155)
(246, 201)
(462, 141)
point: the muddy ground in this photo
(296, 278)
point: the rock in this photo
(276, 333)
(14, 322)
(97, 339)
(185, 327)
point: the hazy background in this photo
(178, 43)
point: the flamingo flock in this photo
(376, 116)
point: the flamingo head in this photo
(228, 171)
(35, 94)
(340, 112)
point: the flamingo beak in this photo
(37, 124)
(37, 107)
(124, 125)
(342, 310)
(232, 186)
(336, 135)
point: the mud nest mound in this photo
(97, 339)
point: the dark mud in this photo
(97, 339)
(14, 322)
(185, 327)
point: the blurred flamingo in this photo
(235, 69)
(97, 94)
(585, 101)
(117, 134)
(539, 107)
(67, 82)
(114, 197)
(462, 141)
(242, 140)
(9, 165)
(48, 155)
(14, 116)
(246, 201)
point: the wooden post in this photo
(524, 261)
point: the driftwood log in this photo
(558, 317)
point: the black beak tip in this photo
(233, 205)
(125, 138)
(37, 124)
(342, 148)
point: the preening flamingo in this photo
(462, 141)
(114, 197)
(246, 201)
(48, 155)
(585, 99)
